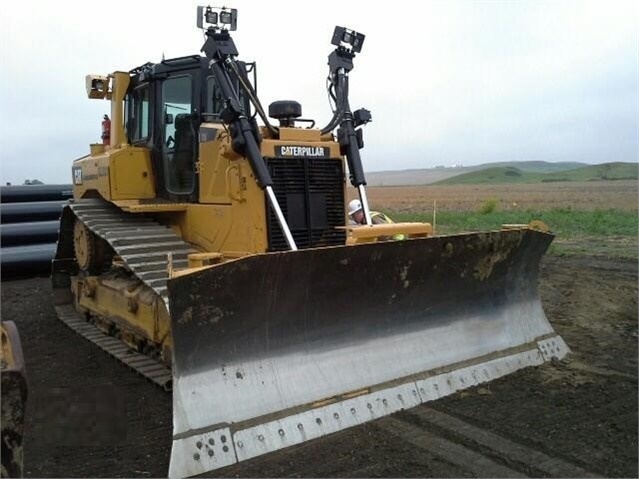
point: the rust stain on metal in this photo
(484, 268)
(187, 316)
(498, 251)
(212, 314)
(448, 250)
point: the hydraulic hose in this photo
(242, 124)
(341, 93)
(252, 94)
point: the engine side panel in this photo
(118, 174)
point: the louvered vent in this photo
(310, 192)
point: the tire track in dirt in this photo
(468, 438)
(453, 452)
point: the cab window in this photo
(179, 133)
(138, 114)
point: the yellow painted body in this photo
(132, 307)
(8, 358)
(116, 174)
(13, 383)
(231, 214)
(228, 221)
(370, 234)
(230, 218)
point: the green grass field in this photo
(509, 174)
(539, 166)
(599, 232)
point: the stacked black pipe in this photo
(29, 227)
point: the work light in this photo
(343, 36)
(217, 18)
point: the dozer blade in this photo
(280, 348)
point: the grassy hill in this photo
(425, 176)
(509, 174)
(605, 171)
(534, 166)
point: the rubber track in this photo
(147, 367)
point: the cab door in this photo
(177, 137)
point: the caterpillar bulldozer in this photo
(213, 254)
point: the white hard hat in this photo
(354, 206)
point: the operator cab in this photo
(165, 105)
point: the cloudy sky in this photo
(447, 82)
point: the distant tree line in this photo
(28, 182)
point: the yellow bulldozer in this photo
(212, 253)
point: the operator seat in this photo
(182, 167)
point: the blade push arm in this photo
(220, 49)
(340, 63)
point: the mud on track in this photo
(89, 416)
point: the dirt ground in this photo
(90, 416)
(588, 195)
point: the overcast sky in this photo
(447, 82)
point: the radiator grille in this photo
(310, 192)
